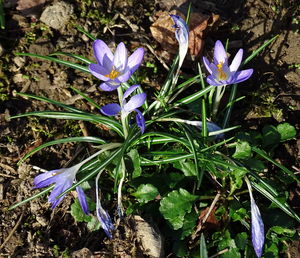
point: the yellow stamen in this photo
(113, 74)
(222, 74)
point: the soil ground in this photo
(272, 96)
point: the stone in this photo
(1, 50)
(150, 238)
(57, 15)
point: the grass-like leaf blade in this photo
(64, 140)
(56, 60)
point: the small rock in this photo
(19, 78)
(42, 220)
(19, 61)
(1, 50)
(84, 252)
(149, 237)
(57, 15)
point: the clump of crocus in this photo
(114, 69)
(63, 179)
(182, 36)
(127, 107)
(220, 72)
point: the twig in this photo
(217, 197)
(7, 167)
(218, 253)
(13, 231)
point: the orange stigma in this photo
(113, 74)
(222, 74)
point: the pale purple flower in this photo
(220, 72)
(128, 107)
(104, 219)
(182, 36)
(114, 69)
(63, 179)
(257, 228)
(102, 215)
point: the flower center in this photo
(113, 74)
(222, 74)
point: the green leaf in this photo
(286, 131)
(203, 250)
(136, 161)
(228, 242)
(255, 164)
(237, 215)
(271, 137)
(241, 240)
(180, 249)
(59, 61)
(187, 167)
(93, 224)
(64, 140)
(175, 205)
(78, 214)
(242, 150)
(283, 231)
(236, 179)
(146, 193)
(263, 154)
(189, 224)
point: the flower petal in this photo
(120, 58)
(135, 102)
(105, 220)
(140, 120)
(242, 76)
(82, 200)
(59, 188)
(182, 30)
(212, 81)
(123, 77)
(109, 86)
(99, 71)
(207, 64)
(103, 54)
(135, 60)
(257, 228)
(220, 53)
(235, 64)
(130, 90)
(111, 109)
(212, 127)
(45, 179)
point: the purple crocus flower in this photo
(220, 72)
(182, 36)
(102, 215)
(257, 228)
(104, 219)
(63, 179)
(127, 107)
(114, 69)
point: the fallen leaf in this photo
(163, 32)
(211, 222)
(30, 7)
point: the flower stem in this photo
(219, 94)
(124, 118)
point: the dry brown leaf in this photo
(211, 222)
(30, 7)
(163, 31)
